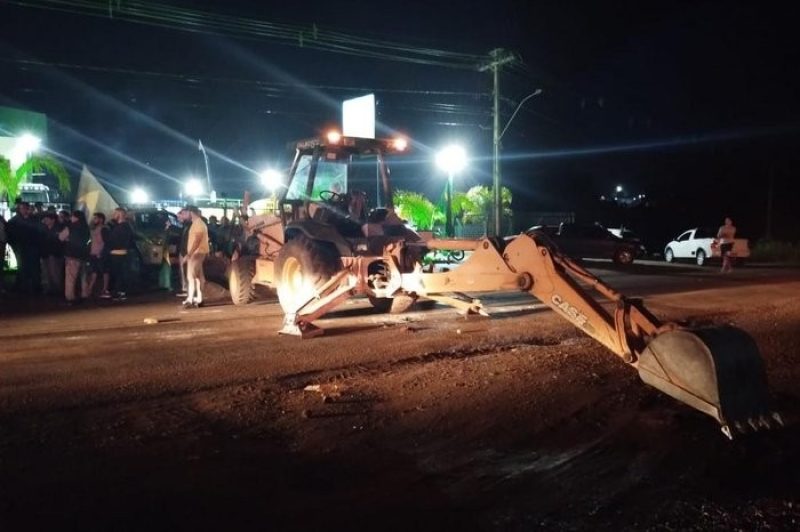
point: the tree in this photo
(479, 205)
(417, 209)
(463, 207)
(11, 180)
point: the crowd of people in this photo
(60, 253)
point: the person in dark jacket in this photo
(25, 236)
(120, 243)
(75, 237)
(52, 252)
(99, 262)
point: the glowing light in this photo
(28, 143)
(334, 136)
(271, 179)
(139, 196)
(452, 159)
(400, 144)
(193, 187)
(619, 188)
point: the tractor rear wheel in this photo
(303, 266)
(240, 280)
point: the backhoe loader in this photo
(324, 245)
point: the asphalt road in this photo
(207, 419)
(642, 279)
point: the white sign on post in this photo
(358, 117)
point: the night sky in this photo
(693, 103)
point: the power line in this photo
(313, 37)
(194, 78)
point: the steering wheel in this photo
(330, 196)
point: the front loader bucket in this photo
(717, 370)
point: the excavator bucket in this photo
(717, 370)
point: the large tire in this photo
(393, 305)
(623, 256)
(669, 255)
(700, 257)
(240, 280)
(303, 266)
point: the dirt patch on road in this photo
(474, 425)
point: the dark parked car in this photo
(150, 227)
(590, 241)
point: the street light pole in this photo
(498, 57)
(537, 92)
(496, 154)
(451, 159)
(449, 221)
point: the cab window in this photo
(331, 175)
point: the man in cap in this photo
(197, 251)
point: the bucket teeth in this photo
(753, 424)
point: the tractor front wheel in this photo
(303, 266)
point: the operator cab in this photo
(342, 184)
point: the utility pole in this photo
(498, 57)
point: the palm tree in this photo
(11, 180)
(463, 207)
(479, 205)
(417, 209)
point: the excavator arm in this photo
(716, 370)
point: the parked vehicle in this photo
(590, 241)
(625, 233)
(150, 228)
(700, 244)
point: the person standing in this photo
(25, 236)
(75, 237)
(183, 248)
(52, 253)
(213, 234)
(197, 252)
(120, 242)
(726, 236)
(98, 257)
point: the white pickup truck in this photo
(700, 244)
